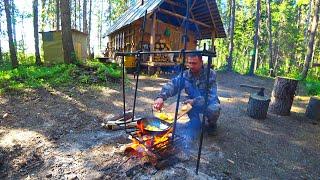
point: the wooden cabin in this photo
(164, 29)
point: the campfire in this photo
(149, 144)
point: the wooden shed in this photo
(164, 28)
(52, 46)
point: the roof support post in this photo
(213, 37)
(153, 34)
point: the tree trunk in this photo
(233, 16)
(43, 11)
(89, 29)
(258, 106)
(282, 96)
(22, 44)
(1, 58)
(79, 15)
(67, 43)
(307, 22)
(316, 43)
(100, 25)
(57, 15)
(271, 68)
(229, 16)
(257, 56)
(313, 107)
(313, 32)
(13, 23)
(255, 43)
(13, 52)
(75, 14)
(84, 23)
(35, 32)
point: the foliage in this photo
(112, 69)
(31, 76)
(312, 86)
(290, 21)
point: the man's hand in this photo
(158, 104)
(188, 101)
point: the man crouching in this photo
(194, 84)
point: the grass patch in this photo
(312, 86)
(311, 83)
(32, 76)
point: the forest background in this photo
(264, 37)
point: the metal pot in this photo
(163, 126)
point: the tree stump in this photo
(282, 96)
(313, 108)
(258, 106)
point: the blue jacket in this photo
(195, 87)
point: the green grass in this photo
(311, 83)
(312, 86)
(28, 75)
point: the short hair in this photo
(195, 54)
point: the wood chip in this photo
(230, 161)
(5, 115)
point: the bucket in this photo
(129, 61)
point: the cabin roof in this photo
(204, 16)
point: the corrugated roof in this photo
(134, 13)
(204, 14)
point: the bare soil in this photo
(56, 133)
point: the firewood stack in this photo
(159, 46)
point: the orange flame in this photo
(157, 141)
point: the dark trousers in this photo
(212, 114)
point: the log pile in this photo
(161, 46)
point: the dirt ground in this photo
(57, 133)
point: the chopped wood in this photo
(113, 117)
(119, 124)
(5, 115)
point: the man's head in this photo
(194, 62)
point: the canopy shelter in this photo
(204, 17)
(166, 23)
